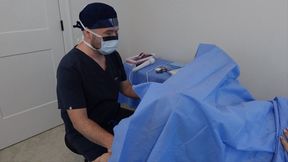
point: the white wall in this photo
(253, 32)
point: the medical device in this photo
(161, 69)
(144, 64)
(140, 61)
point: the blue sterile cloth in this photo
(146, 74)
(202, 114)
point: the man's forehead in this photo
(112, 29)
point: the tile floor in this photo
(45, 147)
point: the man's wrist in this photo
(109, 150)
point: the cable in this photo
(129, 77)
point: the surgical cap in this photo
(97, 15)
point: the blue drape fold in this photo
(202, 114)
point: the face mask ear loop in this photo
(89, 45)
(97, 35)
(84, 28)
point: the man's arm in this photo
(127, 90)
(284, 139)
(90, 129)
(104, 157)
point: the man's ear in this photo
(87, 34)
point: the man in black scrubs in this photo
(89, 79)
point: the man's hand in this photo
(284, 138)
(127, 90)
(103, 158)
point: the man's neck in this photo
(95, 55)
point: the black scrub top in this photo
(82, 83)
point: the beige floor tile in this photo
(45, 147)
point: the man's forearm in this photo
(127, 89)
(95, 133)
(129, 92)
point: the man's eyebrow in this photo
(111, 30)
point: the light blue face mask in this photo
(107, 46)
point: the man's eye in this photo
(111, 33)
